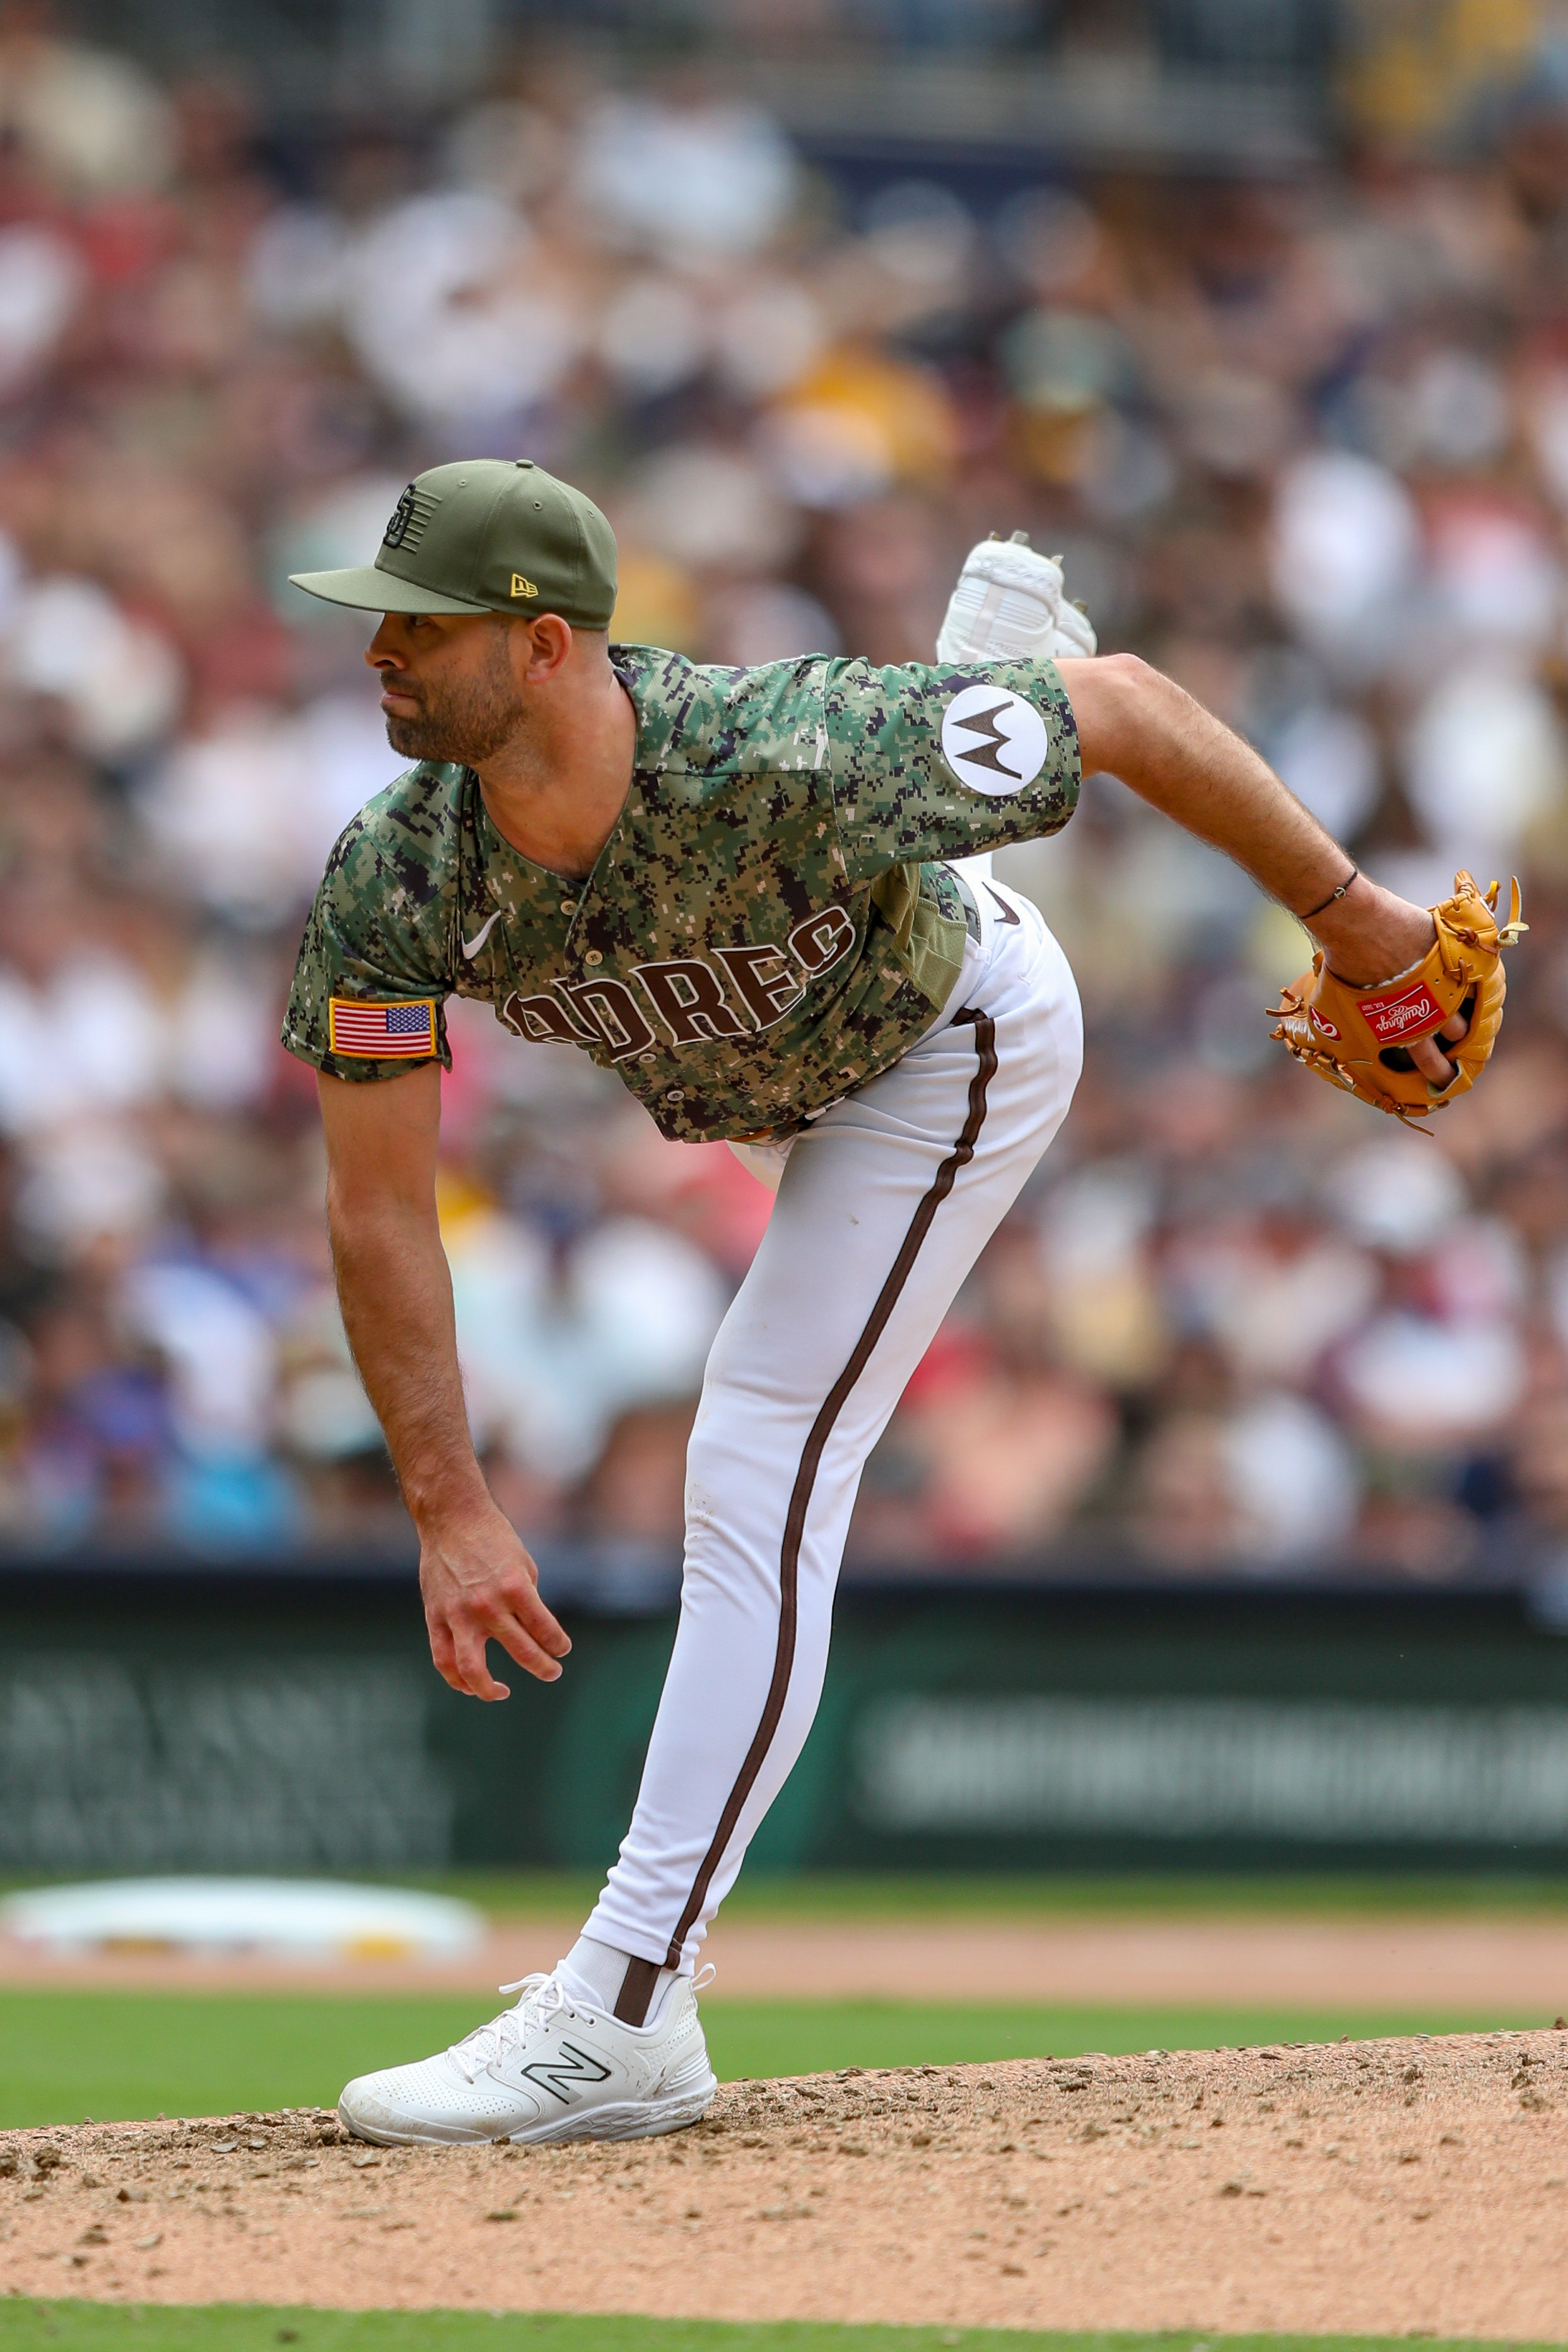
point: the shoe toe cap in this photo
(430, 2099)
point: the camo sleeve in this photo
(935, 763)
(371, 983)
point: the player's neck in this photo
(555, 791)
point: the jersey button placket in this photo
(593, 957)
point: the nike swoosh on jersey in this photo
(471, 947)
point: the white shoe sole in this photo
(631, 2119)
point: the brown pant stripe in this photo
(636, 1992)
(805, 1477)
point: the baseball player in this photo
(744, 891)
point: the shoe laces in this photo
(543, 1998)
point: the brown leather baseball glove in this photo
(1358, 1038)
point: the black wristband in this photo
(1354, 876)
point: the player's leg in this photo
(883, 1208)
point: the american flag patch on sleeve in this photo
(383, 1033)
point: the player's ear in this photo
(540, 648)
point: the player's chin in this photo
(416, 739)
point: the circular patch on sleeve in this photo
(994, 740)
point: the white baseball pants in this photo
(884, 1204)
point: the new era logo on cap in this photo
(521, 587)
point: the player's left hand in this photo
(1371, 935)
(480, 1584)
(1403, 1004)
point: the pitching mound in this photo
(1370, 2188)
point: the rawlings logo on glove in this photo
(1358, 1038)
(1395, 1018)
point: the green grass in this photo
(767, 2038)
(68, 2054)
(247, 2327)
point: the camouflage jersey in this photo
(768, 926)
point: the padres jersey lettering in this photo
(769, 924)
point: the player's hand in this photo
(480, 1585)
(1371, 935)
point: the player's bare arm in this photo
(1136, 723)
(479, 1582)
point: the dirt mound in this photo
(1373, 2188)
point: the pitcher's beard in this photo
(467, 721)
(433, 737)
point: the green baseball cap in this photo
(486, 535)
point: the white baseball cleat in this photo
(550, 2068)
(1010, 605)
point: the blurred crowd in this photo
(1302, 444)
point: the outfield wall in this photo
(176, 1715)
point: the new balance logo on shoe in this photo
(574, 2065)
